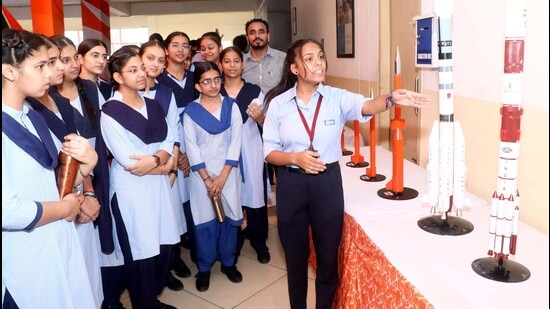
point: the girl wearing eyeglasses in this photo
(181, 82)
(136, 132)
(92, 54)
(212, 133)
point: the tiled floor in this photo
(264, 285)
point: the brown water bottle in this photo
(65, 173)
(218, 209)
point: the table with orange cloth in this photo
(387, 261)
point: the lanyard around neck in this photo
(310, 132)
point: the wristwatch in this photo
(157, 160)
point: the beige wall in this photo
(480, 120)
(478, 52)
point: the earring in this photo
(296, 72)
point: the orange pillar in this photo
(47, 17)
(96, 20)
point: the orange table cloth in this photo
(367, 278)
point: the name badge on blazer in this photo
(330, 122)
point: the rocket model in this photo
(446, 167)
(394, 188)
(397, 126)
(357, 160)
(371, 175)
(504, 221)
(345, 151)
(505, 202)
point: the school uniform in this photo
(305, 200)
(105, 88)
(42, 266)
(213, 141)
(140, 205)
(184, 92)
(164, 95)
(61, 124)
(253, 180)
(265, 73)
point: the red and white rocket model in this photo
(503, 227)
(446, 167)
(505, 202)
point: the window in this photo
(119, 36)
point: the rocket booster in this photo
(446, 167)
(505, 209)
(397, 126)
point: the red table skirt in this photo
(367, 278)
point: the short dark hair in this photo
(241, 42)
(156, 37)
(256, 20)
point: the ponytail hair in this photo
(288, 79)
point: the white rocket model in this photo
(505, 202)
(446, 167)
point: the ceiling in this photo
(71, 8)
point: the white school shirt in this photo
(43, 267)
(284, 130)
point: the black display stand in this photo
(357, 164)
(376, 178)
(407, 194)
(452, 226)
(499, 269)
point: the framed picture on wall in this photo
(294, 23)
(345, 28)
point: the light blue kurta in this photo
(89, 239)
(182, 181)
(252, 187)
(141, 199)
(214, 150)
(172, 118)
(43, 267)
